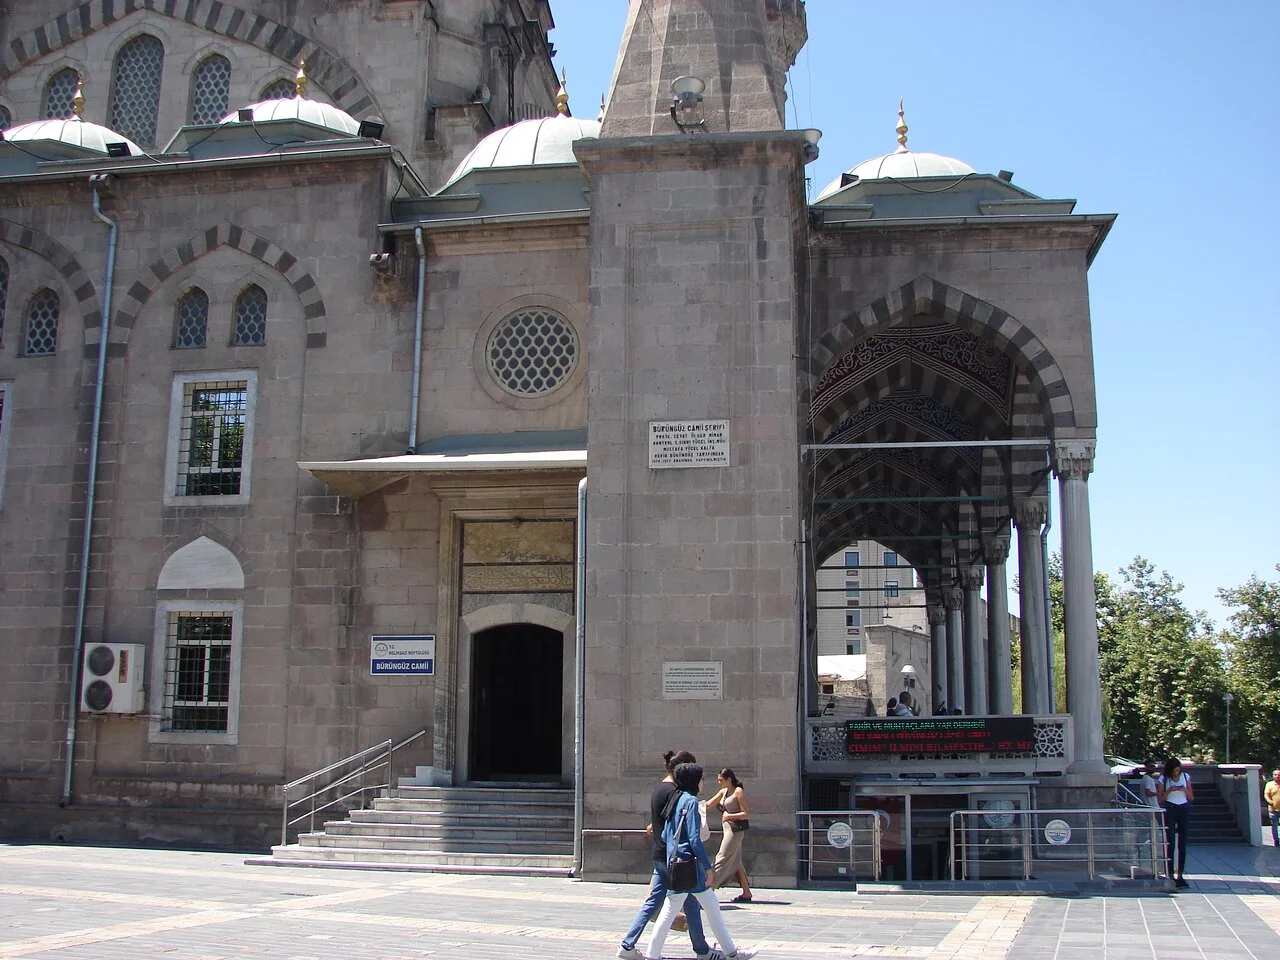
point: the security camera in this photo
(381, 262)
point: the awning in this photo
(355, 478)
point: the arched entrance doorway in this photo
(516, 703)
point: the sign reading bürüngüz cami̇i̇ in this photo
(888, 735)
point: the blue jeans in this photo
(1275, 828)
(657, 896)
(1177, 817)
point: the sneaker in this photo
(679, 924)
(629, 953)
(1179, 882)
(713, 953)
(742, 954)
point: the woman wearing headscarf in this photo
(682, 833)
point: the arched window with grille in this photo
(135, 92)
(42, 324)
(191, 320)
(251, 317)
(210, 86)
(59, 93)
(6, 118)
(4, 292)
(281, 89)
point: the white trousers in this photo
(711, 917)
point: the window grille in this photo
(135, 97)
(42, 324)
(281, 89)
(6, 118)
(192, 319)
(891, 588)
(4, 292)
(210, 90)
(59, 93)
(211, 439)
(197, 688)
(532, 353)
(251, 317)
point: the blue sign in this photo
(413, 656)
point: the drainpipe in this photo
(580, 679)
(417, 339)
(96, 182)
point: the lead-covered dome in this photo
(72, 131)
(300, 108)
(544, 140)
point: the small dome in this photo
(543, 140)
(901, 165)
(72, 131)
(300, 108)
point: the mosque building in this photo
(353, 391)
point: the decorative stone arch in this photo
(225, 234)
(64, 261)
(496, 615)
(201, 564)
(324, 67)
(925, 295)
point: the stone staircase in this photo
(501, 830)
(1211, 820)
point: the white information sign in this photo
(402, 656)
(688, 443)
(840, 835)
(1057, 832)
(693, 680)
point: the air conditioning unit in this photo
(112, 680)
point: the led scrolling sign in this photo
(890, 735)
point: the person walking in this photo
(1272, 795)
(681, 834)
(1176, 795)
(658, 883)
(731, 801)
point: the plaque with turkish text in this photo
(688, 443)
(693, 680)
(889, 735)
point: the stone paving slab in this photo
(83, 903)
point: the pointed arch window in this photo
(191, 319)
(210, 89)
(4, 292)
(6, 118)
(59, 93)
(251, 317)
(135, 94)
(281, 89)
(42, 324)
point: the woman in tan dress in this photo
(731, 800)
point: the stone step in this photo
(442, 845)
(483, 795)
(488, 833)
(457, 818)
(356, 858)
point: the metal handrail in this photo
(849, 817)
(383, 757)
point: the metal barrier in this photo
(352, 778)
(1119, 843)
(839, 844)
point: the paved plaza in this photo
(100, 903)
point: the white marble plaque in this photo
(688, 443)
(693, 680)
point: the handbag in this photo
(740, 825)
(682, 875)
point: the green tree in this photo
(1253, 658)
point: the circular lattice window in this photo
(532, 353)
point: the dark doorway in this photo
(931, 833)
(516, 703)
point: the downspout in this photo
(580, 679)
(418, 309)
(104, 330)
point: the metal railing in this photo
(1119, 843)
(840, 844)
(350, 782)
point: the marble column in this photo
(953, 601)
(937, 615)
(975, 644)
(1073, 462)
(995, 551)
(1029, 517)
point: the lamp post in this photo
(1228, 699)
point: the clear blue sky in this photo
(1165, 113)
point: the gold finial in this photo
(902, 129)
(77, 100)
(600, 115)
(562, 96)
(300, 80)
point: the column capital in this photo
(1073, 459)
(953, 598)
(1029, 514)
(971, 578)
(937, 615)
(995, 549)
